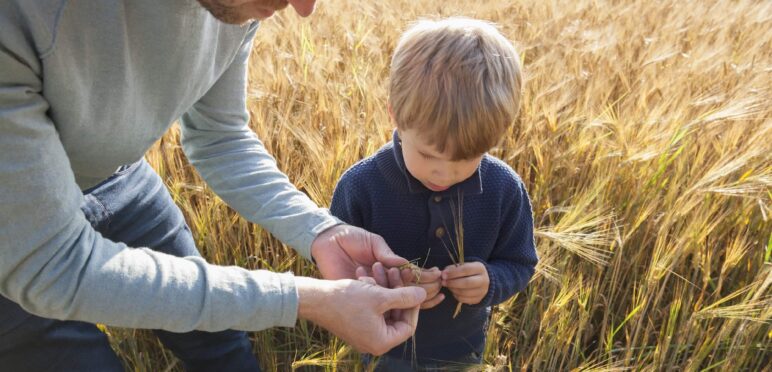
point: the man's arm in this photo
(55, 265)
(235, 164)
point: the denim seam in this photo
(108, 216)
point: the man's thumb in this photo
(385, 255)
(404, 297)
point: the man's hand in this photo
(468, 282)
(341, 249)
(354, 311)
(430, 280)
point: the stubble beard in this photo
(223, 13)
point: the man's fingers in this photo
(367, 279)
(395, 279)
(400, 329)
(361, 271)
(379, 273)
(383, 253)
(403, 298)
(408, 276)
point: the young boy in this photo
(454, 91)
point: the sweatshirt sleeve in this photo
(55, 265)
(513, 260)
(235, 164)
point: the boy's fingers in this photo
(424, 276)
(432, 275)
(465, 292)
(433, 302)
(466, 282)
(465, 300)
(431, 288)
(462, 270)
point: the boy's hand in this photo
(468, 282)
(430, 280)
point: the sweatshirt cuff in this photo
(285, 309)
(319, 222)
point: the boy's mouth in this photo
(434, 187)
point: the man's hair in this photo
(458, 82)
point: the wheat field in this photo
(645, 141)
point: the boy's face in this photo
(435, 170)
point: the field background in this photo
(644, 139)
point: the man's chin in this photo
(227, 14)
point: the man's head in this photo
(242, 11)
(457, 81)
(454, 91)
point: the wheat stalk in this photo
(458, 217)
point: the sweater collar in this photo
(469, 186)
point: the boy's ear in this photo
(391, 115)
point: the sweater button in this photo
(439, 233)
(437, 199)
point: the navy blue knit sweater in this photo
(380, 195)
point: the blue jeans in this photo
(133, 207)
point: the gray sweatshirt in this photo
(87, 86)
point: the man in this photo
(86, 87)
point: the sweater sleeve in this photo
(235, 164)
(55, 265)
(344, 200)
(513, 260)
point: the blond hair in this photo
(457, 81)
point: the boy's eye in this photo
(425, 156)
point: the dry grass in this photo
(644, 141)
